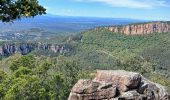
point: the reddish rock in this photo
(145, 28)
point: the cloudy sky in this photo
(137, 9)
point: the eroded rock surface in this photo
(118, 85)
(144, 28)
(124, 80)
(25, 48)
(91, 90)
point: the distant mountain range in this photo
(63, 24)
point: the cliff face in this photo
(145, 28)
(118, 85)
(25, 48)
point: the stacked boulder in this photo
(118, 85)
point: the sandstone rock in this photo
(85, 86)
(152, 91)
(107, 92)
(123, 79)
(145, 28)
(90, 90)
(118, 85)
(131, 95)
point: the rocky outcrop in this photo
(25, 48)
(145, 28)
(118, 85)
(91, 90)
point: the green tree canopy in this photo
(16, 9)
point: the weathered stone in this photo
(74, 96)
(85, 86)
(118, 85)
(106, 93)
(123, 79)
(131, 95)
(152, 91)
(25, 48)
(90, 90)
(145, 28)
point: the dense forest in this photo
(42, 59)
(45, 75)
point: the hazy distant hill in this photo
(45, 27)
(64, 24)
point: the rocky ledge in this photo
(25, 48)
(118, 85)
(144, 28)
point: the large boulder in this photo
(152, 91)
(85, 87)
(118, 85)
(90, 90)
(123, 79)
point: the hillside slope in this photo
(102, 49)
(122, 47)
(98, 48)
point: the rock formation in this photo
(145, 28)
(25, 48)
(118, 85)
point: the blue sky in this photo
(136, 9)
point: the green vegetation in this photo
(147, 54)
(39, 78)
(15, 9)
(51, 76)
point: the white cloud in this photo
(144, 4)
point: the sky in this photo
(135, 9)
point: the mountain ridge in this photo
(54, 23)
(142, 28)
